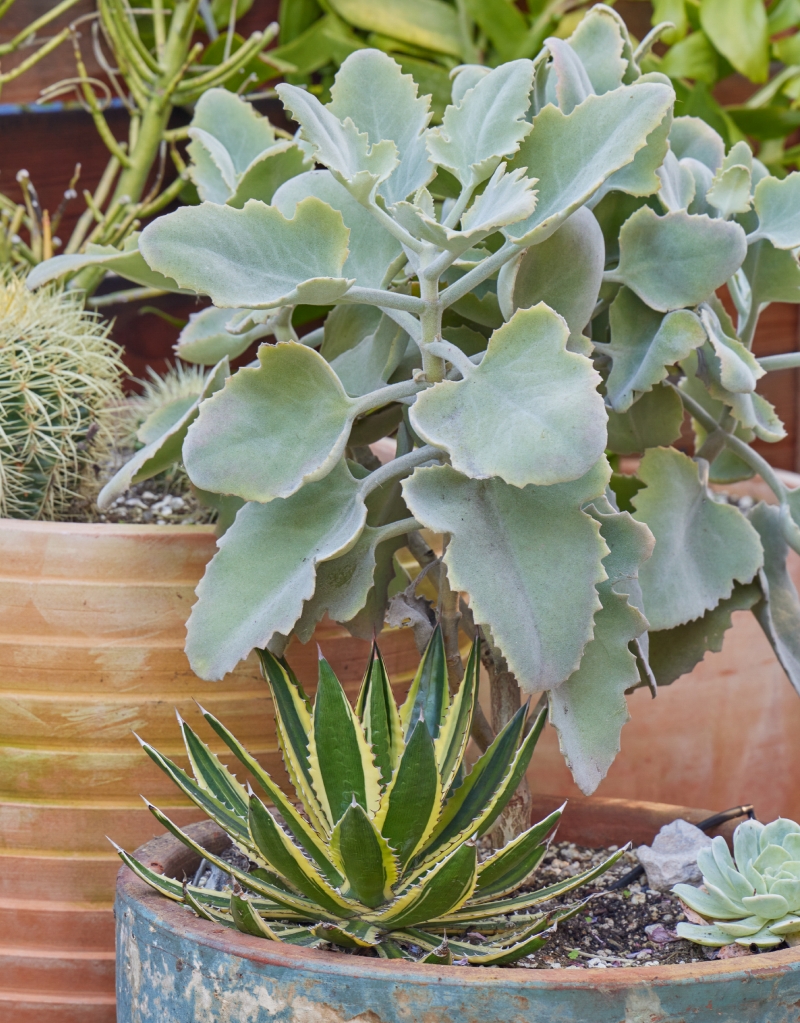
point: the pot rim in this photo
(163, 853)
(110, 528)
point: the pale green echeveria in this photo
(235, 155)
(752, 897)
(514, 292)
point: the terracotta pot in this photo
(726, 734)
(173, 966)
(91, 647)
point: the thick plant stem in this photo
(431, 324)
(505, 702)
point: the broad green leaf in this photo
(272, 429)
(167, 449)
(281, 853)
(254, 256)
(572, 155)
(377, 710)
(505, 870)
(429, 24)
(341, 762)
(264, 569)
(371, 248)
(702, 547)
(410, 805)
(346, 326)
(738, 29)
(204, 339)
(644, 344)
(565, 272)
(367, 861)
(428, 696)
(641, 176)
(599, 42)
(303, 832)
(451, 742)
(732, 365)
(774, 274)
(654, 420)
(677, 259)
(693, 138)
(268, 172)
(444, 889)
(128, 262)
(777, 203)
(339, 145)
(692, 57)
(778, 612)
(589, 709)
(675, 652)
(401, 115)
(374, 360)
(369, 621)
(530, 413)
(503, 23)
(540, 597)
(487, 125)
(506, 198)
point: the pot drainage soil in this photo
(623, 928)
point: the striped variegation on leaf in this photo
(382, 853)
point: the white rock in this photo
(672, 858)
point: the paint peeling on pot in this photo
(174, 968)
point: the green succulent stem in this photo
(787, 360)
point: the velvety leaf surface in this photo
(694, 138)
(654, 420)
(254, 256)
(677, 259)
(264, 569)
(777, 203)
(599, 42)
(539, 598)
(572, 155)
(702, 547)
(643, 345)
(529, 413)
(128, 262)
(589, 709)
(271, 429)
(774, 274)
(370, 248)
(204, 339)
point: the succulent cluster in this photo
(60, 380)
(382, 853)
(517, 297)
(752, 897)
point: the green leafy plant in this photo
(752, 898)
(60, 380)
(153, 64)
(517, 297)
(383, 855)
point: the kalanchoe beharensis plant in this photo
(383, 854)
(752, 897)
(519, 296)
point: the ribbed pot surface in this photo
(92, 628)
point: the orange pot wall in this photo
(729, 733)
(91, 648)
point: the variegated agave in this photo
(382, 854)
(754, 900)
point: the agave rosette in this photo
(381, 852)
(752, 897)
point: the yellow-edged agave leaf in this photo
(289, 862)
(451, 742)
(520, 903)
(247, 920)
(293, 721)
(377, 711)
(516, 773)
(364, 857)
(508, 868)
(439, 956)
(303, 832)
(476, 797)
(428, 697)
(411, 804)
(210, 774)
(340, 761)
(353, 934)
(448, 884)
(205, 911)
(282, 897)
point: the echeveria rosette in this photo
(383, 855)
(752, 897)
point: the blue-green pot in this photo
(175, 968)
